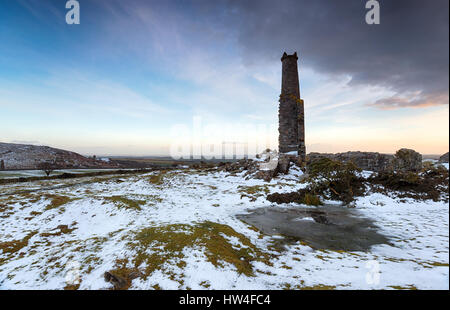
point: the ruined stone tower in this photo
(291, 113)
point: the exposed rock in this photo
(407, 160)
(117, 281)
(444, 158)
(268, 169)
(23, 156)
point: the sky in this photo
(143, 77)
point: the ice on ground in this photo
(306, 218)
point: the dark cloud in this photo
(407, 53)
(420, 101)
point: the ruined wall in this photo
(291, 109)
(369, 161)
(403, 160)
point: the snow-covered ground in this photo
(39, 173)
(50, 239)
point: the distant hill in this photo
(24, 156)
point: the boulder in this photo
(444, 158)
(118, 282)
(407, 160)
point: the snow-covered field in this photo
(179, 230)
(39, 173)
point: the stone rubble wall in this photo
(370, 161)
(403, 160)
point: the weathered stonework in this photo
(403, 160)
(369, 161)
(291, 110)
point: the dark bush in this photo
(66, 175)
(432, 183)
(302, 196)
(335, 180)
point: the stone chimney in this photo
(291, 112)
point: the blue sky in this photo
(118, 83)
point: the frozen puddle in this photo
(327, 227)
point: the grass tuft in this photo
(126, 202)
(14, 246)
(57, 201)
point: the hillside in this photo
(24, 156)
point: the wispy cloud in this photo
(417, 100)
(40, 9)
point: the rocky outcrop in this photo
(444, 158)
(23, 156)
(407, 160)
